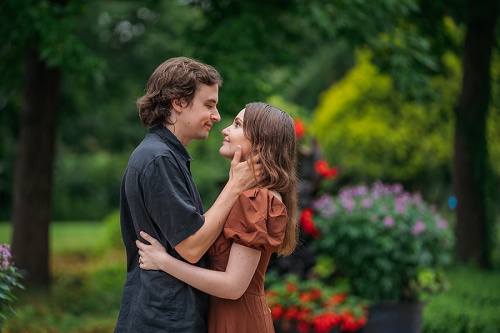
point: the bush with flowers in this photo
(389, 244)
(9, 277)
(312, 306)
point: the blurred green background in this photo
(377, 83)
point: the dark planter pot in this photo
(392, 317)
(292, 328)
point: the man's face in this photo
(196, 120)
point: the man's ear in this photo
(178, 104)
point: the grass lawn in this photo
(64, 236)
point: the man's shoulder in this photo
(151, 147)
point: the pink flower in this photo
(418, 228)
(366, 203)
(442, 224)
(348, 204)
(389, 221)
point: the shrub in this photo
(312, 305)
(390, 244)
(9, 279)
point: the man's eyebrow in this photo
(211, 100)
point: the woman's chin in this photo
(225, 154)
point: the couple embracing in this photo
(190, 270)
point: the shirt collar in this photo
(172, 141)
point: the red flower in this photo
(291, 313)
(305, 297)
(308, 224)
(351, 324)
(303, 314)
(339, 298)
(277, 312)
(315, 294)
(303, 327)
(300, 128)
(322, 168)
(326, 321)
(290, 287)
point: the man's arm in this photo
(230, 284)
(241, 178)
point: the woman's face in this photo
(233, 136)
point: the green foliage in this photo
(323, 68)
(407, 37)
(9, 279)
(86, 286)
(369, 129)
(110, 236)
(472, 304)
(390, 244)
(87, 187)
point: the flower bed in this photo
(312, 306)
(389, 244)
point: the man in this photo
(158, 195)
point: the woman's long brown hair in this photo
(272, 133)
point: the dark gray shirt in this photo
(158, 195)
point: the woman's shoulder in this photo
(263, 193)
(257, 220)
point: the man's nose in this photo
(215, 115)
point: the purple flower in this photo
(5, 255)
(348, 204)
(433, 208)
(355, 191)
(418, 228)
(366, 203)
(389, 221)
(417, 198)
(400, 204)
(442, 224)
(321, 202)
(397, 188)
(328, 211)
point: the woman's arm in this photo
(230, 284)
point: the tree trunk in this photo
(33, 177)
(471, 163)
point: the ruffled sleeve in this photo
(257, 220)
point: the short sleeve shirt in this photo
(158, 196)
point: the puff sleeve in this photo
(257, 220)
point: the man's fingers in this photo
(237, 155)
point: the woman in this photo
(262, 221)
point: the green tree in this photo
(408, 39)
(40, 32)
(370, 129)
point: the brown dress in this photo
(257, 220)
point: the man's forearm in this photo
(196, 245)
